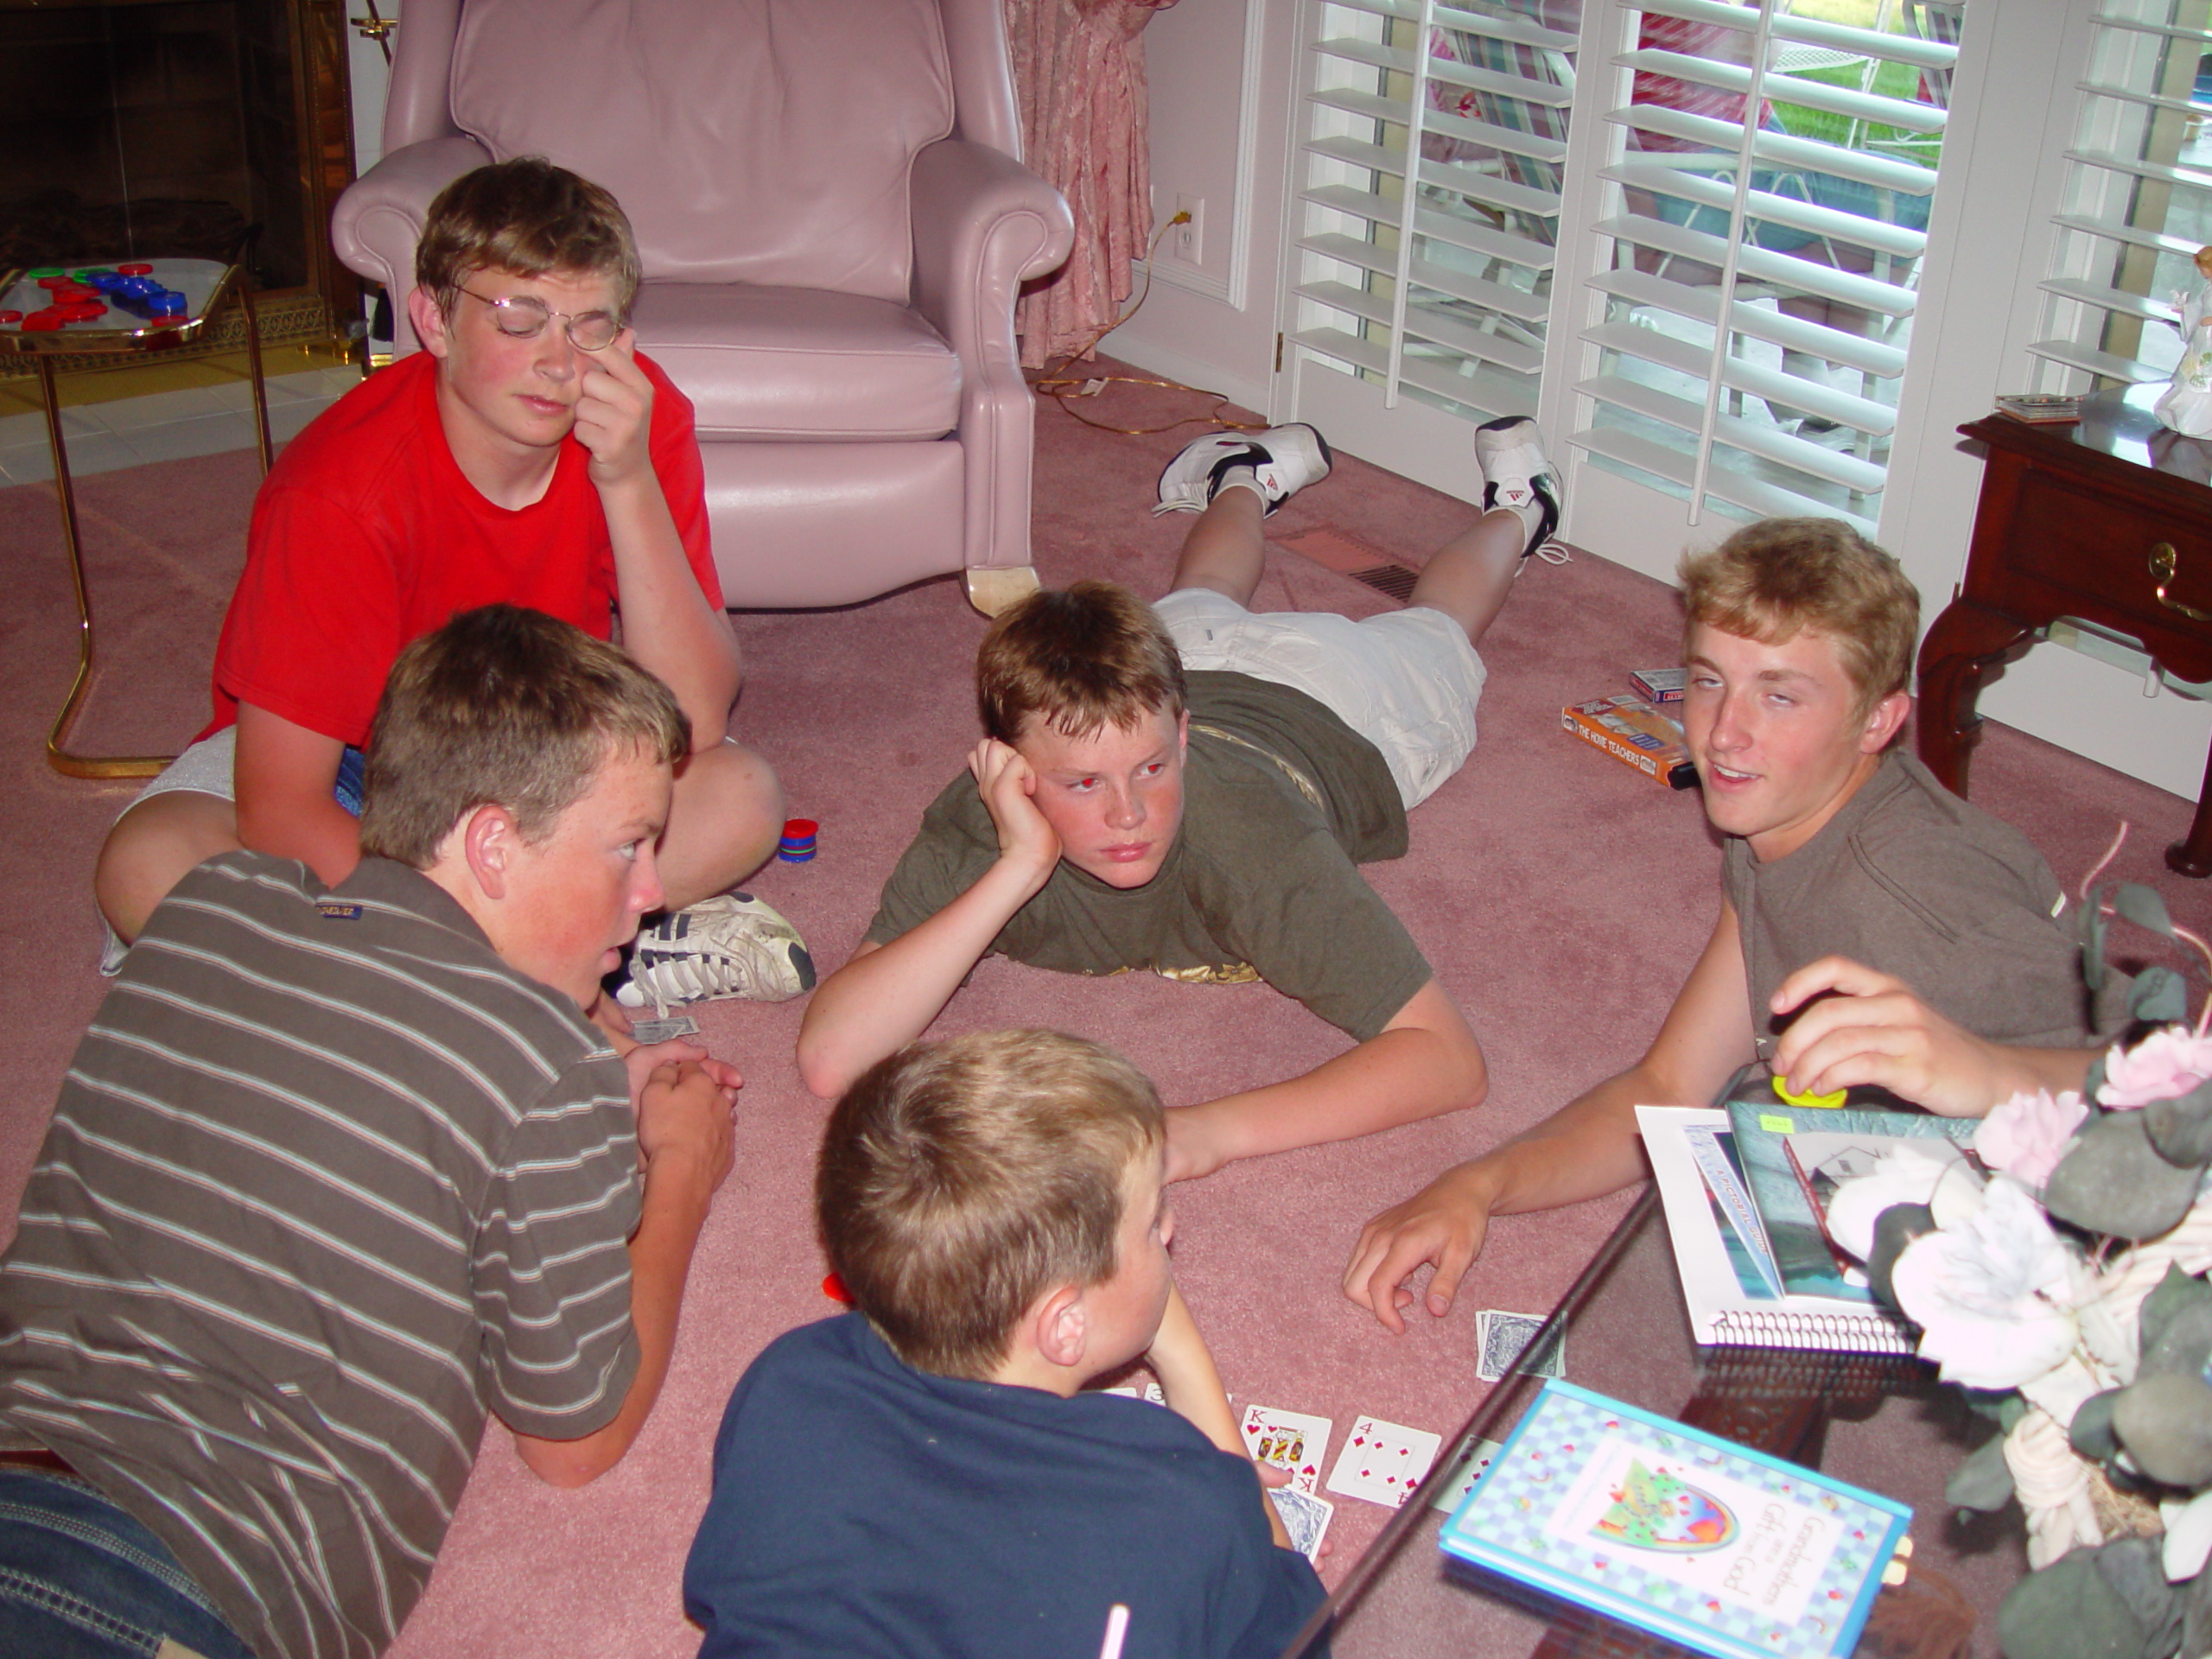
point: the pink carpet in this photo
(1560, 896)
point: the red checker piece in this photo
(83, 310)
(44, 321)
(58, 280)
(140, 270)
(11, 316)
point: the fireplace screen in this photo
(215, 129)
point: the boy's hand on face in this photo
(1859, 1026)
(684, 1116)
(1008, 786)
(615, 413)
(1445, 1223)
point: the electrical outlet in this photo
(1187, 240)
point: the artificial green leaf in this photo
(2093, 939)
(2142, 906)
(1983, 1479)
(2172, 1294)
(2159, 997)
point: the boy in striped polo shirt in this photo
(338, 1172)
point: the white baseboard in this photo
(2099, 711)
(1179, 366)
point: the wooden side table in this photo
(2110, 522)
(102, 343)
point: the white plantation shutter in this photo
(1763, 222)
(2136, 202)
(1428, 205)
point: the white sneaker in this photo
(1284, 460)
(1518, 475)
(730, 945)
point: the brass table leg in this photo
(61, 759)
(260, 391)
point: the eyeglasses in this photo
(523, 318)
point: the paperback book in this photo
(1634, 732)
(1726, 1550)
(1733, 1283)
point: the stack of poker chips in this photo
(797, 845)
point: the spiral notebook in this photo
(1730, 1279)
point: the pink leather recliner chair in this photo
(835, 221)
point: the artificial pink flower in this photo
(1994, 1294)
(2170, 1062)
(2026, 1136)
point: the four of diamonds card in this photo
(1724, 1549)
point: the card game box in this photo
(2040, 408)
(1659, 684)
(1636, 733)
(1723, 1549)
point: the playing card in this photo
(646, 1032)
(1501, 1341)
(1288, 1440)
(1305, 1517)
(1383, 1462)
(1464, 1468)
(1151, 1393)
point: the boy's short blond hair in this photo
(1772, 579)
(508, 706)
(961, 1180)
(527, 218)
(1078, 659)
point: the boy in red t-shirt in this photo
(527, 455)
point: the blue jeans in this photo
(80, 1578)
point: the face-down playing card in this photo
(1305, 1517)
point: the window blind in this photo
(1430, 197)
(1766, 210)
(2137, 198)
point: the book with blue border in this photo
(1726, 1550)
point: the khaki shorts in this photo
(1406, 681)
(208, 767)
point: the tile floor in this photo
(166, 425)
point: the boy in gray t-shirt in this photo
(1873, 929)
(1190, 787)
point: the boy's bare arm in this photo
(1424, 1063)
(886, 996)
(1180, 1357)
(1861, 1027)
(667, 624)
(282, 778)
(1588, 1147)
(685, 1141)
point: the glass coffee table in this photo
(1879, 1421)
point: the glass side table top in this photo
(1876, 1422)
(204, 284)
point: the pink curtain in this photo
(1078, 69)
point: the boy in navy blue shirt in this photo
(925, 1476)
